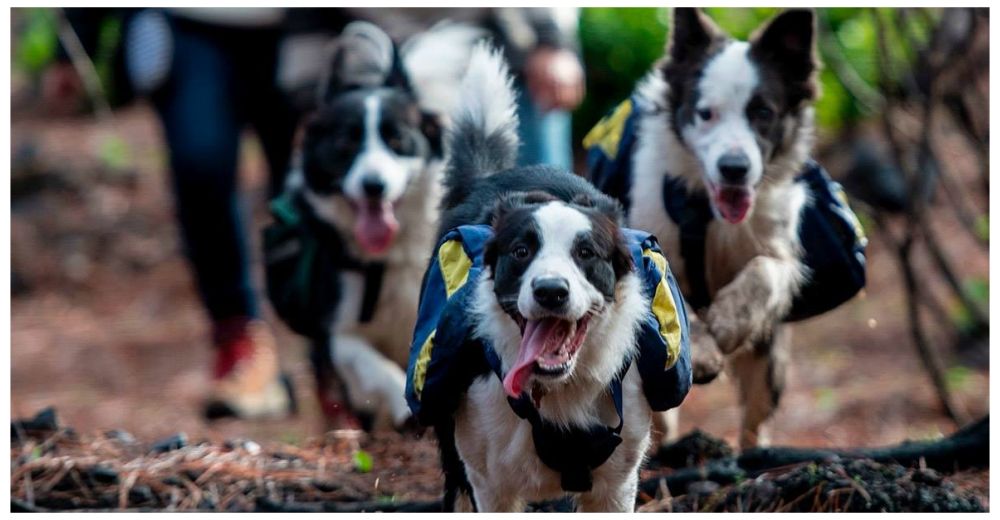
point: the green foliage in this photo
(363, 462)
(114, 153)
(621, 44)
(957, 378)
(826, 399)
(37, 42)
(983, 227)
(978, 290)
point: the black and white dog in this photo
(733, 121)
(371, 164)
(558, 300)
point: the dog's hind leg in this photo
(375, 384)
(760, 377)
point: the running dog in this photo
(560, 304)
(370, 172)
(732, 121)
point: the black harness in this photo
(572, 452)
(303, 258)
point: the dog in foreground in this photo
(733, 121)
(369, 179)
(559, 302)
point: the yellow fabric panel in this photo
(420, 369)
(665, 309)
(859, 230)
(454, 265)
(607, 133)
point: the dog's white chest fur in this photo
(504, 468)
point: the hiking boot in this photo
(246, 382)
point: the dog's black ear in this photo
(607, 206)
(621, 257)
(789, 42)
(433, 130)
(515, 200)
(691, 34)
(398, 77)
(490, 254)
(362, 56)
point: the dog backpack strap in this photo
(692, 214)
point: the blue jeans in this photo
(545, 137)
(221, 81)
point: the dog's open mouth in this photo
(732, 202)
(548, 348)
(376, 225)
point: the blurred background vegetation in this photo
(620, 44)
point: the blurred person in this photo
(539, 44)
(210, 73)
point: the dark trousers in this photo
(222, 81)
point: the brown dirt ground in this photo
(106, 326)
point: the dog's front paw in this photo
(706, 358)
(732, 320)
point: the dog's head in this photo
(369, 138)
(736, 105)
(557, 269)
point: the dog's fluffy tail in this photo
(436, 60)
(483, 136)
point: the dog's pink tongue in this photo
(733, 203)
(376, 226)
(537, 336)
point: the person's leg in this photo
(202, 126)
(545, 137)
(269, 109)
(202, 123)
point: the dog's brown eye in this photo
(763, 113)
(520, 252)
(705, 113)
(585, 253)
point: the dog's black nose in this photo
(372, 186)
(734, 167)
(550, 293)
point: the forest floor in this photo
(106, 328)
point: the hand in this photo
(62, 89)
(554, 78)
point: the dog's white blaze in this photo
(376, 159)
(727, 83)
(558, 226)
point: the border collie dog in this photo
(558, 300)
(733, 120)
(370, 168)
